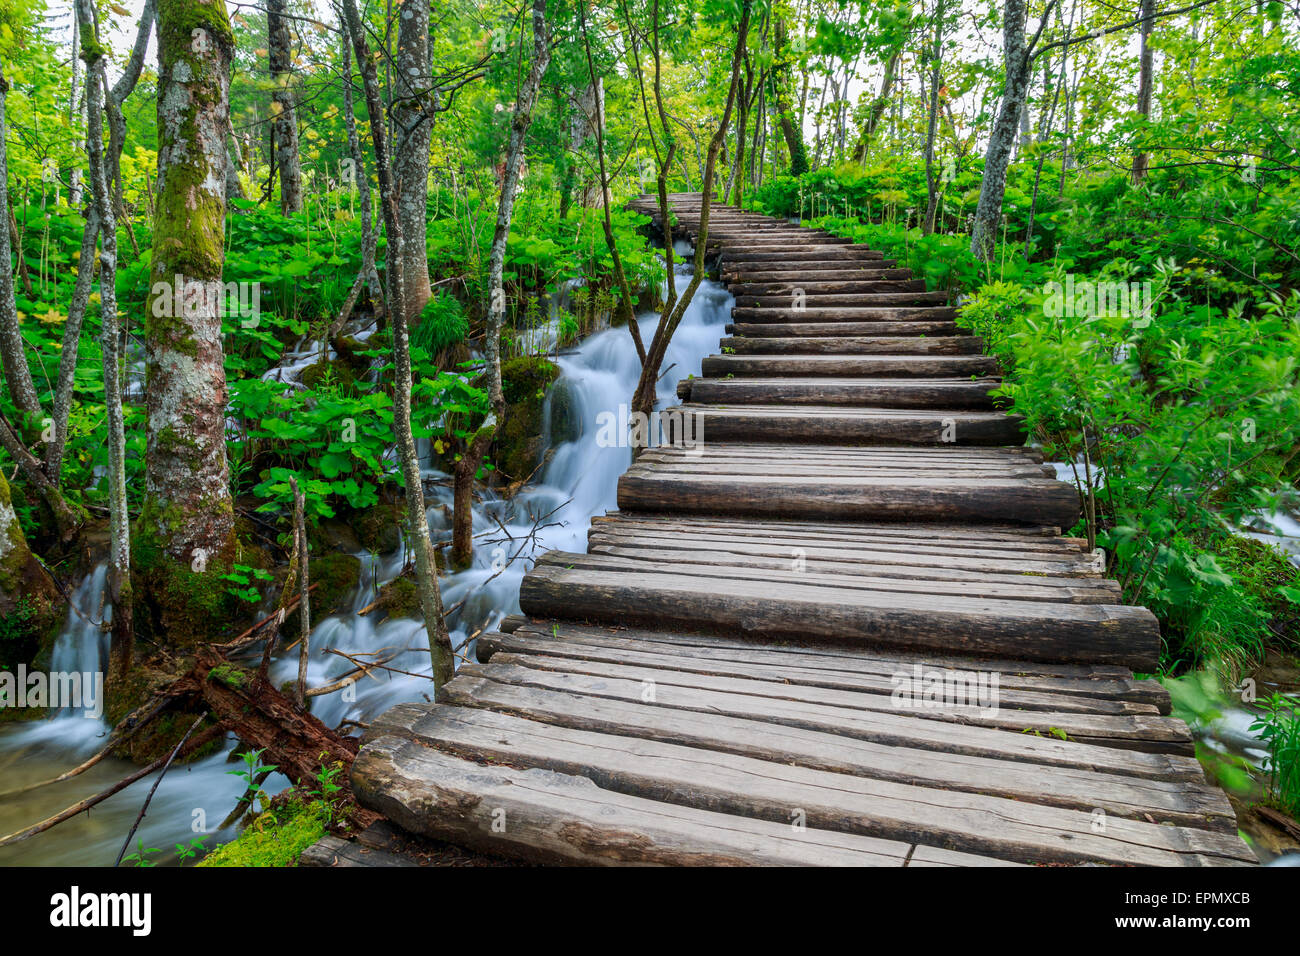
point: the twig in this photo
(139, 818)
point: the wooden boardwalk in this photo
(844, 629)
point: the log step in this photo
(818, 329)
(855, 345)
(874, 495)
(819, 314)
(822, 287)
(870, 366)
(864, 425)
(817, 300)
(642, 761)
(759, 607)
(816, 270)
(888, 393)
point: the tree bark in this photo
(792, 133)
(284, 121)
(1002, 139)
(1146, 71)
(13, 353)
(188, 513)
(412, 133)
(931, 178)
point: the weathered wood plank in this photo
(686, 716)
(762, 789)
(1110, 634)
(1038, 501)
(883, 366)
(560, 818)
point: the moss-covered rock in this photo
(524, 381)
(379, 527)
(401, 598)
(330, 373)
(335, 577)
(565, 422)
(31, 608)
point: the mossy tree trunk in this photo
(188, 517)
(279, 55)
(29, 602)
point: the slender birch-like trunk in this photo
(440, 649)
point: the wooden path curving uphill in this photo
(842, 629)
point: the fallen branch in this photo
(154, 789)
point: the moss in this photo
(178, 606)
(333, 372)
(379, 527)
(401, 598)
(335, 577)
(31, 609)
(276, 837)
(524, 381)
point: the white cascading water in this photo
(579, 481)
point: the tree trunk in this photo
(792, 133)
(931, 177)
(13, 353)
(467, 468)
(583, 128)
(412, 133)
(284, 122)
(187, 514)
(1145, 82)
(1003, 137)
(440, 650)
(119, 557)
(643, 398)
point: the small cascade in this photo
(578, 481)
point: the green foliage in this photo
(1279, 727)
(443, 323)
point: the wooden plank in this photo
(1032, 501)
(867, 425)
(762, 789)
(855, 345)
(1121, 695)
(1109, 634)
(707, 565)
(830, 662)
(884, 366)
(813, 313)
(686, 716)
(566, 819)
(819, 300)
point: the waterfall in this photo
(579, 481)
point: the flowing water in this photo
(578, 481)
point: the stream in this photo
(578, 481)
